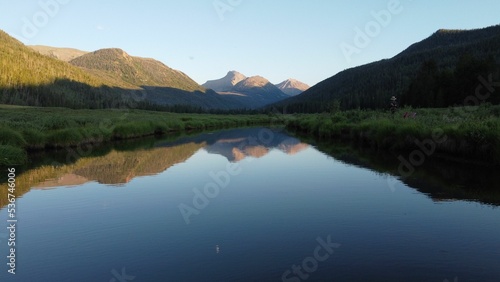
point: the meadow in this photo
(461, 133)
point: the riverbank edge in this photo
(405, 140)
(23, 142)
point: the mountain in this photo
(226, 83)
(253, 92)
(292, 87)
(372, 85)
(102, 79)
(161, 84)
(30, 78)
(134, 70)
(259, 89)
(63, 54)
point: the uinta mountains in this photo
(65, 77)
(257, 91)
(162, 85)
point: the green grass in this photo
(10, 155)
(11, 137)
(31, 128)
(472, 132)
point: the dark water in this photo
(250, 205)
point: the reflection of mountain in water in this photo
(237, 144)
(119, 166)
(238, 149)
(116, 167)
(437, 179)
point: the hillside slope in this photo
(371, 85)
(30, 78)
(160, 84)
(134, 70)
(102, 79)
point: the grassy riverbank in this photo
(29, 128)
(470, 133)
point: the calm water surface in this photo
(251, 205)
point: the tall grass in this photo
(472, 132)
(10, 155)
(31, 128)
(11, 137)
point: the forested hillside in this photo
(116, 63)
(29, 78)
(107, 78)
(455, 56)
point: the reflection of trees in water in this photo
(116, 167)
(121, 166)
(439, 179)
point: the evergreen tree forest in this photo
(471, 83)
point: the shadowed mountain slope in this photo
(371, 85)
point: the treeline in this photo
(185, 109)
(473, 81)
(71, 94)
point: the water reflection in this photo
(262, 223)
(441, 180)
(438, 178)
(239, 144)
(122, 163)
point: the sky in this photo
(278, 39)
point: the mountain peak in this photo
(254, 81)
(235, 77)
(234, 73)
(226, 83)
(292, 87)
(112, 52)
(259, 86)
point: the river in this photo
(252, 204)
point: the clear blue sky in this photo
(277, 39)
